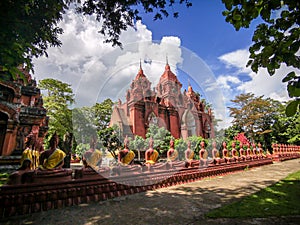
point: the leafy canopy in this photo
(161, 137)
(29, 27)
(286, 129)
(111, 139)
(254, 115)
(87, 121)
(276, 40)
(57, 96)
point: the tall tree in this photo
(254, 115)
(102, 113)
(30, 27)
(87, 121)
(286, 129)
(83, 124)
(276, 39)
(139, 144)
(58, 96)
(111, 139)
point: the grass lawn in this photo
(280, 199)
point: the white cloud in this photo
(260, 83)
(226, 81)
(237, 59)
(269, 86)
(95, 69)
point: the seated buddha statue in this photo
(225, 153)
(172, 153)
(126, 156)
(93, 157)
(30, 151)
(260, 151)
(234, 153)
(28, 154)
(53, 158)
(151, 155)
(249, 155)
(189, 155)
(274, 148)
(254, 151)
(242, 153)
(203, 155)
(18, 177)
(215, 154)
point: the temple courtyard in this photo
(180, 204)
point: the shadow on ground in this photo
(176, 205)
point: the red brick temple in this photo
(183, 114)
(21, 112)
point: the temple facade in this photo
(184, 114)
(21, 113)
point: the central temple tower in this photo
(183, 114)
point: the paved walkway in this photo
(182, 204)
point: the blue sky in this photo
(201, 28)
(201, 48)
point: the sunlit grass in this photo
(280, 199)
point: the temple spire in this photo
(140, 64)
(141, 72)
(167, 67)
(190, 89)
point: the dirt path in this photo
(182, 204)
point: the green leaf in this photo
(228, 4)
(292, 108)
(249, 63)
(288, 77)
(237, 15)
(293, 90)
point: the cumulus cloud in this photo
(95, 69)
(226, 82)
(232, 81)
(270, 86)
(237, 59)
(260, 83)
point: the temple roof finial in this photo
(190, 89)
(141, 72)
(167, 67)
(140, 64)
(167, 61)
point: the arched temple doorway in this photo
(207, 129)
(152, 119)
(189, 123)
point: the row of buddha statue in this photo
(53, 158)
(246, 152)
